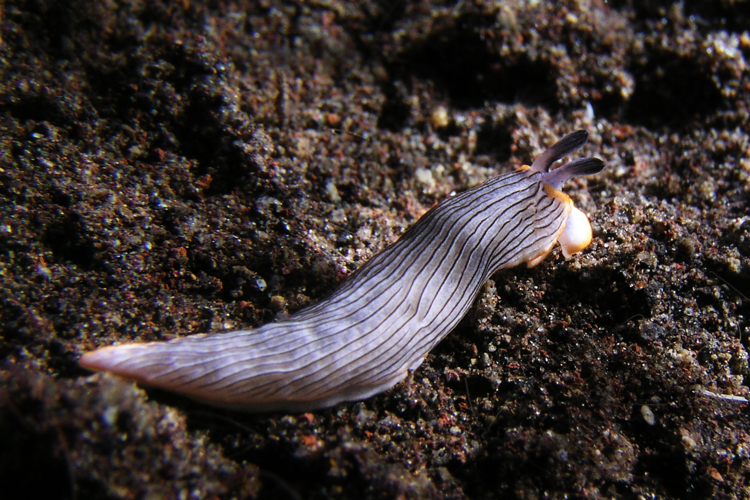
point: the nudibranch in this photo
(383, 320)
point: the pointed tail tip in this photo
(108, 359)
(129, 361)
(97, 361)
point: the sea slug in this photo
(383, 320)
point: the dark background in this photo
(178, 167)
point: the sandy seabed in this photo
(177, 167)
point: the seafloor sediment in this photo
(178, 167)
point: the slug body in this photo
(381, 322)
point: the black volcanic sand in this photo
(176, 167)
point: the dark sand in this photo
(177, 167)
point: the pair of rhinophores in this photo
(383, 320)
